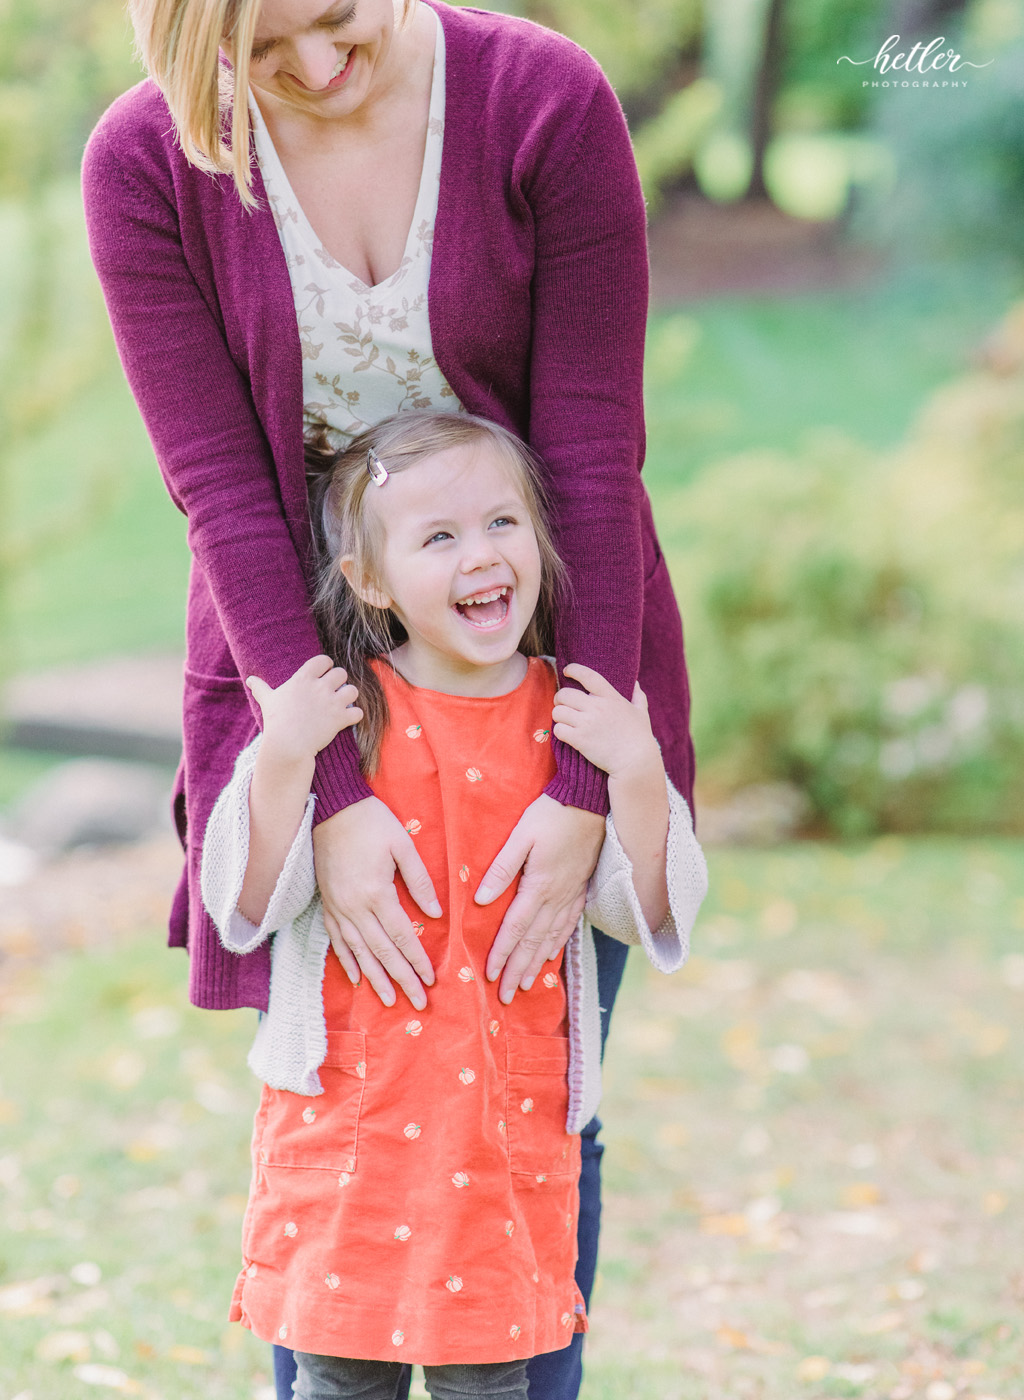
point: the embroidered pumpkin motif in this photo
(414, 1027)
(309, 1115)
(413, 731)
(467, 1075)
(412, 1131)
(466, 974)
(474, 775)
(413, 827)
(454, 1284)
(291, 1229)
(402, 1232)
(460, 1179)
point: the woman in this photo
(530, 309)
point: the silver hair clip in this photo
(378, 471)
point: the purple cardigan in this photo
(538, 304)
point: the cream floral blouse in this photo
(366, 351)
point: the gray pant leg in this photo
(336, 1378)
(498, 1380)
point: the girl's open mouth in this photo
(485, 610)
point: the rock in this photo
(89, 802)
(765, 814)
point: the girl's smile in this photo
(459, 566)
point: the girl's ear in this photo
(362, 586)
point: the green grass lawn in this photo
(814, 1175)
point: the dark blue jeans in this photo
(557, 1375)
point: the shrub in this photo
(855, 622)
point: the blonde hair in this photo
(180, 42)
(353, 631)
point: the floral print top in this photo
(366, 351)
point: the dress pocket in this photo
(321, 1132)
(536, 1105)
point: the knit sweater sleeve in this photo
(198, 408)
(226, 854)
(586, 413)
(612, 903)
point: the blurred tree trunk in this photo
(765, 90)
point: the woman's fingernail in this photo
(506, 997)
(526, 983)
(483, 894)
(434, 910)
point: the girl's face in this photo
(460, 568)
(319, 57)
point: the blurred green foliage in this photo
(61, 63)
(854, 619)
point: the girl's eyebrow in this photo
(332, 15)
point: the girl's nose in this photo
(479, 552)
(315, 59)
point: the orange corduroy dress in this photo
(424, 1207)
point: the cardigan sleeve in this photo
(210, 445)
(590, 291)
(612, 903)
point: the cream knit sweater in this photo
(291, 1040)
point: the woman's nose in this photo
(315, 59)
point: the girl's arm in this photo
(300, 718)
(615, 735)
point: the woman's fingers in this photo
(345, 955)
(381, 959)
(417, 881)
(502, 870)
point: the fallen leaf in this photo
(813, 1368)
(884, 1322)
(940, 1390)
(64, 1346)
(860, 1193)
(188, 1356)
(112, 1377)
(724, 1225)
(731, 1337)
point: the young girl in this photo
(414, 1189)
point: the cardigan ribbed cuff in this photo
(577, 782)
(337, 781)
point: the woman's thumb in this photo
(260, 689)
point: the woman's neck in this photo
(452, 676)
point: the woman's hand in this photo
(356, 853)
(556, 848)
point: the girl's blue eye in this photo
(257, 54)
(441, 535)
(502, 520)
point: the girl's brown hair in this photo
(180, 43)
(352, 631)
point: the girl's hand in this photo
(356, 853)
(311, 708)
(556, 848)
(610, 731)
